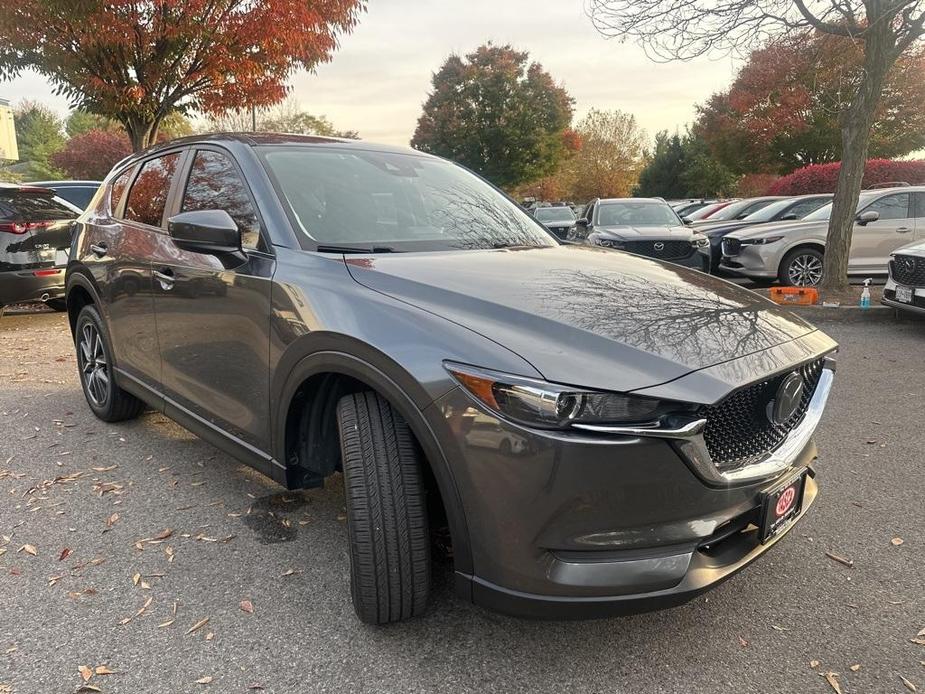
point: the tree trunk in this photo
(142, 133)
(856, 122)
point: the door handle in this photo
(165, 277)
(903, 230)
(99, 250)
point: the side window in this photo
(214, 184)
(118, 189)
(148, 196)
(891, 206)
(919, 212)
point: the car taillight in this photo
(23, 227)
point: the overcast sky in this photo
(380, 77)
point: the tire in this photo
(801, 267)
(386, 511)
(58, 305)
(107, 400)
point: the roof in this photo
(262, 139)
(658, 201)
(63, 184)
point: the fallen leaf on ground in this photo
(29, 549)
(111, 521)
(198, 625)
(855, 668)
(289, 572)
(103, 670)
(743, 642)
(907, 683)
(204, 680)
(88, 688)
(65, 553)
(841, 560)
(106, 469)
(166, 624)
(832, 679)
(896, 541)
(85, 672)
(210, 636)
(247, 606)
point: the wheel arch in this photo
(80, 291)
(800, 245)
(339, 356)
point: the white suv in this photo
(905, 287)
(792, 252)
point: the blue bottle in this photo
(865, 294)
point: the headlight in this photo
(610, 243)
(700, 241)
(551, 406)
(761, 241)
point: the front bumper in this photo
(587, 524)
(761, 260)
(918, 298)
(19, 287)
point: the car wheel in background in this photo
(386, 510)
(107, 400)
(801, 267)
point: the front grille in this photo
(661, 249)
(908, 270)
(731, 246)
(560, 232)
(739, 431)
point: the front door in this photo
(213, 312)
(872, 243)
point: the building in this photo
(8, 149)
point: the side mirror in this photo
(867, 217)
(583, 223)
(687, 220)
(205, 231)
(789, 217)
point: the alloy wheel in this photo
(805, 270)
(94, 365)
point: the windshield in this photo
(636, 214)
(734, 210)
(824, 212)
(768, 212)
(387, 201)
(554, 214)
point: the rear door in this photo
(872, 244)
(213, 312)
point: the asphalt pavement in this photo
(118, 542)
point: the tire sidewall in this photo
(784, 275)
(89, 314)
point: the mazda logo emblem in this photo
(908, 264)
(786, 400)
(660, 246)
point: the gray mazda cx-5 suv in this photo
(599, 432)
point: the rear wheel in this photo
(386, 510)
(802, 267)
(107, 400)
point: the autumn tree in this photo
(91, 154)
(137, 61)
(610, 158)
(781, 112)
(285, 117)
(880, 31)
(498, 114)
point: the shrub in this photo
(821, 178)
(92, 154)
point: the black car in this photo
(78, 193)
(35, 237)
(559, 219)
(599, 432)
(779, 210)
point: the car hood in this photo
(775, 228)
(916, 248)
(719, 228)
(637, 233)
(587, 316)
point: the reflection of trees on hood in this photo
(687, 317)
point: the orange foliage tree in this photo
(137, 61)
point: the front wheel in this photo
(107, 400)
(802, 267)
(386, 510)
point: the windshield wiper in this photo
(355, 249)
(513, 246)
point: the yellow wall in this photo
(8, 148)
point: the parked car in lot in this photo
(706, 211)
(905, 287)
(35, 237)
(740, 209)
(792, 252)
(559, 219)
(78, 193)
(686, 207)
(645, 226)
(788, 209)
(378, 300)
